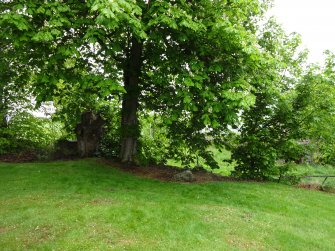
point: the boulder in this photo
(65, 149)
(186, 176)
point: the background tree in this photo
(14, 90)
(14, 82)
(314, 105)
(268, 130)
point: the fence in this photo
(320, 176)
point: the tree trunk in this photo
(89, 133)
(3, 109)
(129, 119)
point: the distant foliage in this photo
(154, 143)
(157, 145)
(286, 174)
(268, 130)
(26, 132)
(292, 150)
(110, 142)
(315, 110)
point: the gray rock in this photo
(184, 176)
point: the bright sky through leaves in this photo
(313, 20)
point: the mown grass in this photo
(84, 205)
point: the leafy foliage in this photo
(315, 105)
(26, 132)
(110, 143)
(268, 128)
(154, 142)
(194, 60)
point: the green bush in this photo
(255, 158)
(153, 143)
(326, 152)
(109, 146)
(286, 173)
(7, 143)
(291, 150)
(26, 132)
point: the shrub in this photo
(255, 158)
(109, 146)
(26, 132)
(153, 143)
(291, 150)
(286, 175)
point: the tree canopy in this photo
(189, 61)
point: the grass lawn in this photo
(84, 205)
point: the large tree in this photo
(189, 61)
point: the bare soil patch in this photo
(317, 187)
(19, 157)
(309, 186)
(166, 173)
(3, 230)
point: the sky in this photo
(313, 20)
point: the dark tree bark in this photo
(3, 108)
(130, 103)
(89, 133)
